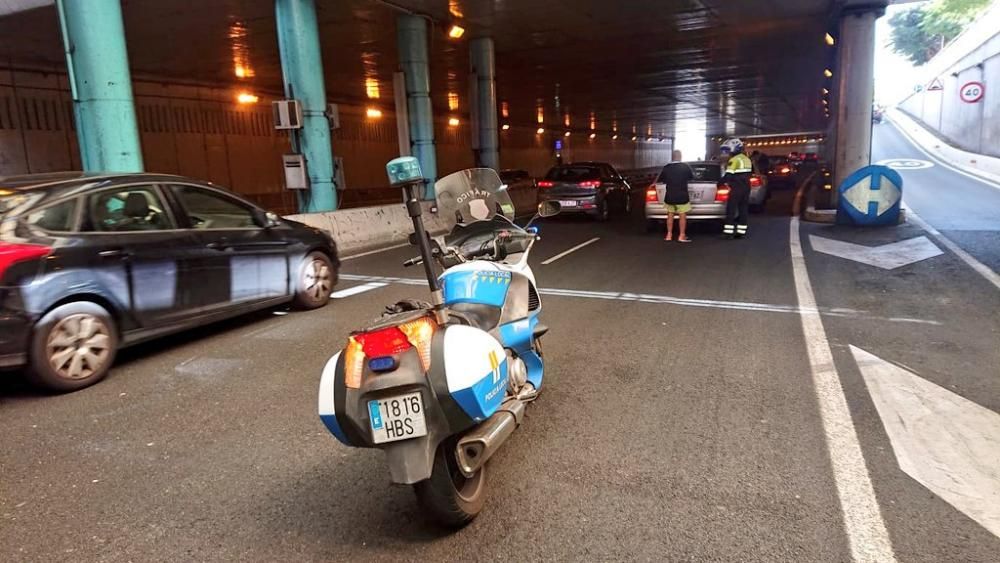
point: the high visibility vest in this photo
(739, 164)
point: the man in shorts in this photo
(676, 176)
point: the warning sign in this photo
(935, 85)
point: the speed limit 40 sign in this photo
(972, 92)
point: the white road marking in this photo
(357, 289)
(944, 441)
(570, 251)
(377, 251)
(941, 161)
(905, 163)
(887, 256)
(668, 300)
(976, 265)
(863, 521)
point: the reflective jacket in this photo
(737, 174)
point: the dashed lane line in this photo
(357, 289)
(570, 251)
(866, 531)
(667, 300)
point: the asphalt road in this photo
(680, 419)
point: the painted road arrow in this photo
(888, 256)
(946, 442)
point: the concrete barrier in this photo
(369, 228)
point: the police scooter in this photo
(441, 386)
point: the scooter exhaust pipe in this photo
(479, 445)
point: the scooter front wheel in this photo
(449, 497)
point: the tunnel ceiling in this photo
(648, 64)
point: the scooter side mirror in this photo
(549, 208)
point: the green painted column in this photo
(99, 80)
(302, 70)
(413, 58)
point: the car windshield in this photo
(469, 196)
(573, 173)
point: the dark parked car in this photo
(517, 179)
(781, 174)
(91, 263)
(587, 187)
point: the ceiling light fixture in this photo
(456, 31)
(828, 73)
(593, 135)
(453, 122)
(830, 40)
(246, 98)
(540, 130)
(373, 113)
(505, 126)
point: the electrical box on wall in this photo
(338, 163)
(295, 172)
(333, 115)
(287, 114)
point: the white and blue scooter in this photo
(440, 386)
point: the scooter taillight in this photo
(387, 342)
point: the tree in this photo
(920, 32)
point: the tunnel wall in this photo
(198, 131)
(973, 56)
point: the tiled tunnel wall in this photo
(200, 132)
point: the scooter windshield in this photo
(472, 195)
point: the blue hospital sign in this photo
(870, 197)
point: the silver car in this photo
(707, 201)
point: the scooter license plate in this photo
(397, 418)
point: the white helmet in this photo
(732, 146)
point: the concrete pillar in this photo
(855, 90)
(302, 73)
(101, 86)
(413, 58)
(483, 62)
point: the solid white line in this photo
(667, 300)
(357, 289)
(370, 252)
(863, 521)
(940, 160)
(570, 251)
(976, 265)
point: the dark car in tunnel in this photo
(92, 263)
(594, 188)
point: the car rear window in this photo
(573, 173)
(702, 172)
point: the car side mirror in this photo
(266, 219)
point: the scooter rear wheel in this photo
(449, 497)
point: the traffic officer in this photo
(737, 177)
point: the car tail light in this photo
(11, 254)
(755, 181)
(590, 184)
(722, 193)
(651, 194)
(545, 184)
(387, 342)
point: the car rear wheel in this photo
(73, 346)
(316, 280)
(602, 212)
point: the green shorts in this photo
(679, 208)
